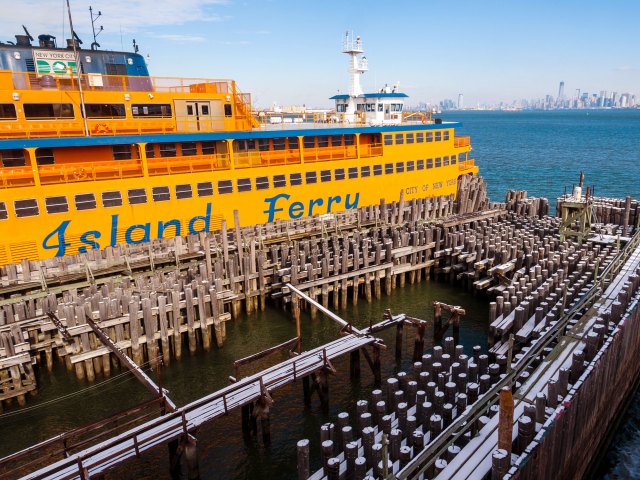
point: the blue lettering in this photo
(317, 201)
(348, 204)
(336, 199)
(84, 238)
(296, 210)
(114, 230)
(146, 228)
(162, 226)
(272, 205)
(206, 219)
(58, 235)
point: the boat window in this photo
(419, 137)
(228, 111)
(85, 201)
(244, 184)
(160, 194)
(104, 110)
(111, 199)
(353, 172)
(56, 204)
(279, 181)
(278, 144)
(225, 186)
(438, 162)
(349, 140)
(208, 148)
(116, 69)
(295, 179)
(184, 191)
(3, 211)
(339, 173)
(399, 167)
(204, 109)
(26, 208)
(263, 144)
(151, 110)
(293, 143)
(388, 168)
(388, 139)
(336, 140)
(188, 149)
(7, 111)
(325, 175)
(122, 152)
(365, 171)
(409, 137)
(445, 161)
(410, 166)
(420, 165)
(262, 183)
(445, 135)
(341, 108)
(377, 169)
(438, 136)
(150, 150)
(47, 110)
(205, 189)
(323, 141)
(453, 159)
(429, 162)
(167, 149)
(244, 145)
(309, 142)
(13, 158)
(380, 107)
(137, 195)
(399, 138)
(429, 136)
(311, 177)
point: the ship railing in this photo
(288, 120)
(466, 164)
(188, 164)
(417, 117)
(321, 154)
(89, 171)
(266, 158)
(16, 177)
(461, 141)
(371, 150)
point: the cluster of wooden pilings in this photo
(623, 213)
(518, 202)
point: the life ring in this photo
(101, 129)
(79, 174)
(424, 119)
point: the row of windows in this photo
(33, 111)
(417, 137)
(88, 201)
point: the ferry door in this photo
(198, 116)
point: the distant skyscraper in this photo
(460, 101)
(561, 91)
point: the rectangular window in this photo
(121, 152)
(311, 177)
(105, 110)
(409, 138)
(263, 144)
(377, 169)
(438, 162)
(339, 174)
(225, 186)
(399, 167)
(47, 110)
(353, 172)
(429, 162)
(419, 137)
(111, 199)
(85, 201)
(208, 148)
(184, 191)
(262, 183)
(293, 143)
(399, 138)
(279, 143)
(205, 189)
(445, 161)
(7, 111)
(13, 158)
(454, 159)
(295, 179)
(309, 142)
(279, 181)
(56, 204)
(365, 171)
(420, 165)
(349, 140)
(388, 139)
(228, 110)
(26, 208)
(388, 168)
(336, 140)
(137, 195)
(244, 184)
(438, 136)
(149, 150)
(188, 149)
(325, 175)
(429, 136)
(151, 110)
(323, 141)
(445, 135)
(167, 149)
(44, 156)
(3, 211)
(160, 194)
(410, 166)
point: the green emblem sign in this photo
(54, 62)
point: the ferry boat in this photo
(105, 154)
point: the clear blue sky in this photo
(289, 51)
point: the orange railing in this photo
(88, 171)
(370, 150)
(16, 177)
(188, 164)
(467, 164)
(462, 141)
(321, 154)
(266, 158)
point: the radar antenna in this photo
(27, 33)
(95, 45)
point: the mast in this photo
(357, 66)
(77, 57)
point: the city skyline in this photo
(289, 52)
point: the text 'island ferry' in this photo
(105, 154)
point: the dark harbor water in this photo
(541, 152)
